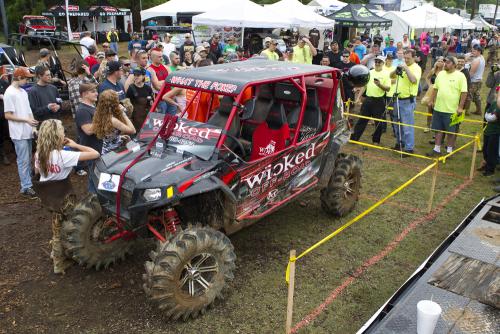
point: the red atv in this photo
(275, 135)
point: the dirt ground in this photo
(34, 300)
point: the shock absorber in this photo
(170, 220)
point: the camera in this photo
(399, 71)
(494, 68)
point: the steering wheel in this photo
(240, 145)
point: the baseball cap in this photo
(85, 87)
(206, 45)
(22, 72)
(113, 66)
(391, 39)
(44, 52)
(267, 39)
(188, 35)
(110, 53)
(200, 49)
(155, 37)
(168, 35)
(139, 71)
(381, 58)
(100, 54)
(478, 47)
(452, 59)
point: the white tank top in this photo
(478, 76)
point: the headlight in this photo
(153, 194)
(31, 32)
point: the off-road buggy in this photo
(276, 135)
(55, 65)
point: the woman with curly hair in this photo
(54, 163)
(110, 122)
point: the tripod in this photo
(395, 98)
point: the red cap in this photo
(22, 72)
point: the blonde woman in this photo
(54, 163)
(110, 122)
(430, 78)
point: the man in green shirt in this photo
(270, 52)
(230, 47)
(448, 98)
(374, 102)
(304, 51)
(407, 90)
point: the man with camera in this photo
(374, 102)
(408, 76)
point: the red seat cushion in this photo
(267, 141)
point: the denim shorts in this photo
(441, 121)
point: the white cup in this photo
(428, 313)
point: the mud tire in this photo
(169, 267)
(341, 194)
(82, 229)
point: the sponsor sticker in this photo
(108, 182)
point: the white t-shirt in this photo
(168, 48)
(16, 100)
(87, 41)
(61, 164)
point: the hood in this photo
(171, 168)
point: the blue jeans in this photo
(166, 108)
(23, 153)
(114, 46)
(406, 139)
(90, 172)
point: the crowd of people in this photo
(110, 96)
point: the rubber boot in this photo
(57, 254)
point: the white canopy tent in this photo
(426, 17)
(172, 7)
(301, 15)
(481, 24)
(461, 23)
(242, 13)
(333, 5)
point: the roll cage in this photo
(301, 82)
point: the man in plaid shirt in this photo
(82, 75)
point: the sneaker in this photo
(488, 173)
(409, 151)
(81, 172)
(433, 154)
(29, 193)
(397, 147)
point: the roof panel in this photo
(231, 78)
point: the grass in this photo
(256, 302)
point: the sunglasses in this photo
(343, 56)
(126, 64)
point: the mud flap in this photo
(339, 138)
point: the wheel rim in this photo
(199, 274)
(102, 230)
(351, 186)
